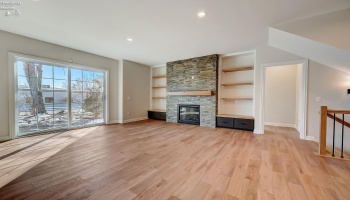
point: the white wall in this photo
(331, 28)
(281, 95)
(15, 43)
(136, 91)
(331, 85)
(324, 81)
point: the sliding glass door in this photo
(87, 92)
(54, 97)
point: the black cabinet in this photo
(244, 124)
(224, 122)
(158, 115)
(235, 123)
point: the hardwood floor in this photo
(20, 155)
(158, 160)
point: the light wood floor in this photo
(158, 160)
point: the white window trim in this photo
(12, 74)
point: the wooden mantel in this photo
(192, 93)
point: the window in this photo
(42, 94)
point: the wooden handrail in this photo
(339, 111)
(323, 129)
(347, 124)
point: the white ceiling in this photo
(163, 30)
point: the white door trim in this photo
(305, 66)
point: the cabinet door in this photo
(152, 115)
(156, 115)
(224, 122)
(244, 124)
(161, 115)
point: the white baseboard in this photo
(257, 131)
(311, 138)
(115, 122)
(134, 120)
(280, 124)
(4, 138)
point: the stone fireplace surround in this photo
(195, 74)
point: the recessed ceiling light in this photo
(201, 14)
(129, 39)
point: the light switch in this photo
(128, 98)
(318, 99)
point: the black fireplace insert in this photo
(189, 114)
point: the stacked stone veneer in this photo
(179, 78)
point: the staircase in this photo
(333, 114)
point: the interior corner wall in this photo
(136, 91)
(281, 95)
(120, 92)
(10, 42)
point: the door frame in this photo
(12, 74)
(304, 89)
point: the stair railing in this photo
(323, 130)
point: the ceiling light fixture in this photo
(129, 39)
(201, 14)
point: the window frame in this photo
(13, 90)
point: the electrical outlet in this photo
(318, 99)
(128, 113)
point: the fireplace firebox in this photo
(189, 114)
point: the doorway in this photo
(51, 96)
(284, 95)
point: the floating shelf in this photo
(160, 76)
(237, 84)
(236, 99)
(159, 97)
(235, 116)
(192, 93)
(159, 87)
(236, 69)
(157, 110)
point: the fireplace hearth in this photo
(189, 114)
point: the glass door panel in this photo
(44, 94)
(37, 87)
(87, 97)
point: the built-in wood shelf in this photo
(237, 99)
(236, 69)
(237, 84)
(235, 116)
(160, 76)
(156, 87)
(192, 93)
(157, 110)
(159, 97)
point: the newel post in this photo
(323, 131)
